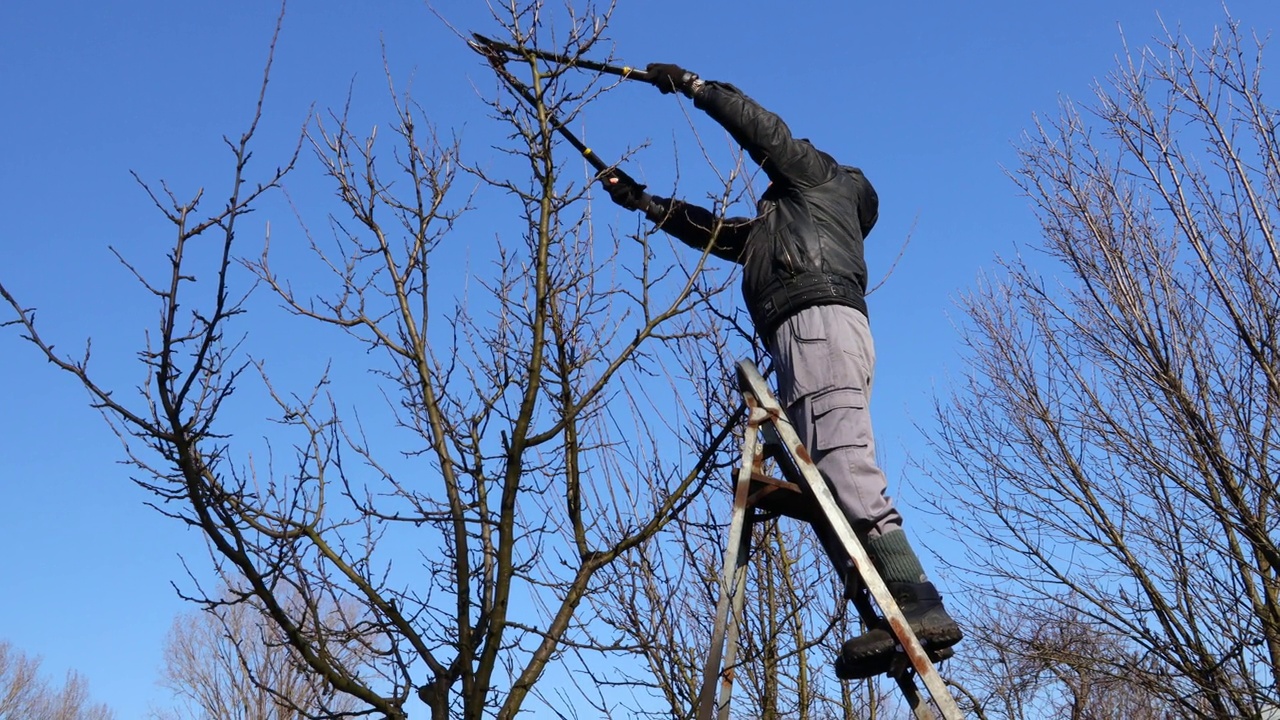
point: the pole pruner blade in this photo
(491, 50)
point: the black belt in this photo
(784, 298)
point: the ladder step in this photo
(772, 496)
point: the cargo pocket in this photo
(840, 419)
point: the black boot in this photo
(921, 604)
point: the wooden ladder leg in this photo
(729, 664)
(732, 586)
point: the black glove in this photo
(625, 191)
(669, 78)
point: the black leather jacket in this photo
(804, 247)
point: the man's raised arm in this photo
(763, 134)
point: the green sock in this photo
(895, 559)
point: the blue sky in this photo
(928, 97)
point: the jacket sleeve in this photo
(698, 227)
(765, 137)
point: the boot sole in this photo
(931, 637)
(885, 663)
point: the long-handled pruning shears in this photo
(498, 53)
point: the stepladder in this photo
(770, 443)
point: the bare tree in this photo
(25, 695)
(229, 662)
(1028, 664)
(530, 419)
(1111, 456)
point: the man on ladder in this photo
(804, 282)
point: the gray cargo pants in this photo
(825, 360)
